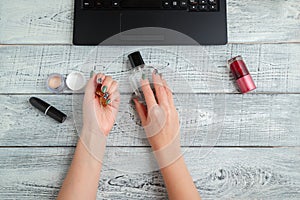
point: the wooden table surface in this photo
(256, 156)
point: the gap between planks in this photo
(184, 146)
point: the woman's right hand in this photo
(160, 118)
(161, 124)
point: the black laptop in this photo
(204, 21)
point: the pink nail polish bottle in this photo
(241, 74)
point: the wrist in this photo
(89, 129)
(169, 153)
(87, 160)
(86, 128)
(175, 167)
(94, 142)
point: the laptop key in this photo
(193, 2)
(175, 4)
(213, 7)
(212, 2)
(166, 4)
(87, 3)
(115, 4)
(193, 8)
(203, 8)
(98, 4)
(183, 4)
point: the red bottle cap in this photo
(238, 67)
(241, 74)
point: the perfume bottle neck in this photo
(138, 68)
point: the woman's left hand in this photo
(98, 118)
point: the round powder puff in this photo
(75, 81)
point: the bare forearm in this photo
(83, 176)
(179, 182)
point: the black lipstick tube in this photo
(47, 109)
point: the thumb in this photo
(91, 86)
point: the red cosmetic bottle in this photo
(241, 74)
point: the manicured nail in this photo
(155, 71)
(104, 89)
(99, 80)
(92, 74)
(108, 101)
(135, 97)
(106, 95)
(143, 76)
(132, 101)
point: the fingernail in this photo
(108, 101)
(106, 95)
(104, 89)
(135, 97)
(160, 75)
(99, 80)
(143, 76)
(92, 73)
(138, 100)
(132, 101)
(155, 71)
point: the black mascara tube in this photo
(47, 109)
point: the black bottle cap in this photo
(136, 59)
(47, 109)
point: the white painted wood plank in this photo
(225, 173)
(219, 120)
(263, 21)
(274, 67)
(37, 22)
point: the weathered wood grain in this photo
(274, 67)
(36, 22)
(218, 120)
(227, 173)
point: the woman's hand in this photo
(161, 124)
(96, 117)
(160, 118)
(99, 116)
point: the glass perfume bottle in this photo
(139, 71)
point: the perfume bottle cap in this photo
(136, 59)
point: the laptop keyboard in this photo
(185, 5)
